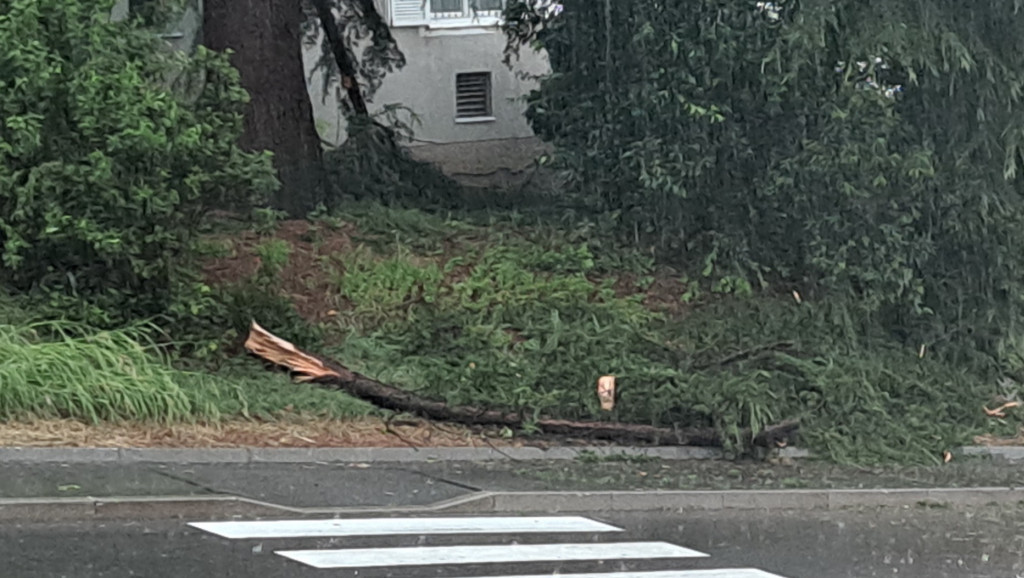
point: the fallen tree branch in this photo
(330, 374)
(778, 435)
(746, 354)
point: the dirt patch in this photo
(318, 254)
(305, 280)
(625, 285)
(666, 295)
(311, 433)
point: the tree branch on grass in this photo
(330, 374)
(746, 354)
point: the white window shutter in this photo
(409, 12)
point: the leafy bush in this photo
(111, 150)
(501, 334)
(816, 143)
(372, 165)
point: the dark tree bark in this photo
(349, 81)
(265, 36)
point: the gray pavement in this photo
(915, 542)
(26, 480)
(313, 484)
(295, 485)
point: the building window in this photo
(466, 8)
(447, 13)
(445, 6)
(473, 96)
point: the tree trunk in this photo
(265, 36)
(341, 56)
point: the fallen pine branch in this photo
(700, 362)
(778, 435)
(310, 368)
(746, 354)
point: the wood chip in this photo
(606, 392)
(1001, 410)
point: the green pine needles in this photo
(864, 150)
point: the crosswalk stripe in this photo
(270, 529)
(716, 573)
(441, 555)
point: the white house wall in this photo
(427, 85)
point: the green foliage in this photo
(527, 322)
(384, 225)
(381, 286)
(110, 151)
(525, 319)
(864, 151)
(53, 370)
(273, 255)
(362, 28)
(59, 370)
(372, 165)
(233, 308)
(860, 396)
(254, 392)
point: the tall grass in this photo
(59, 370)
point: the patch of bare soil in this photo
(304, 433)
(305, 279)
(664, 294)
(317, 250)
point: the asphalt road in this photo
(908, 542)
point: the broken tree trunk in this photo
(329, 374)
(342, 57)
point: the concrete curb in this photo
(1001, 453)
(636, 501)
(400, 455)
(346, 455)
(221, 507)
(53, 455)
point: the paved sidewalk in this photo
(295, 485)
(162, 483)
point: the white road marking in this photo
(716, 573)
(271, 529)
(438, 555)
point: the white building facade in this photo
(467, 101)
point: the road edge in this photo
(347, 455)
(250, 455)
(28, 510)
